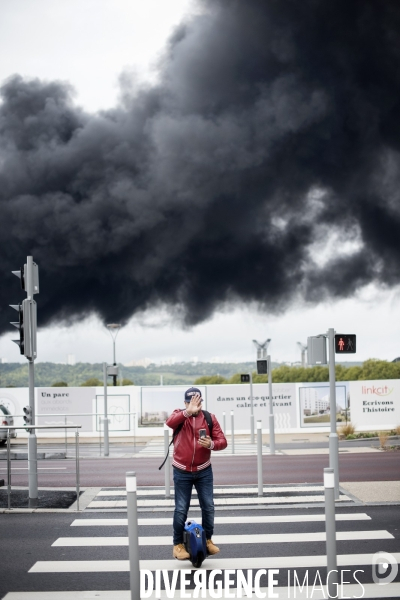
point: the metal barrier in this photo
(99, 420)
(77, 471)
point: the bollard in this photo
(330, 527)
(66, 441)
(77, 472)
(224, 422)
(133, 535)
(167, 467)
(105, 421)
(259, 458)
(32, 465)
(8, 471)
(106, 438)
(271, 410)
(232, 433)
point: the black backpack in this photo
(208, 419)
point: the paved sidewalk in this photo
(373, 491)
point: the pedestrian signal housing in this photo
(262, 367)
(345, 343)
(28, 417)
(316, 350)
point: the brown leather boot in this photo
(211, 547)
(179, 552)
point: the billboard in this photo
(64, 406)
(118, 409)
(375, 404)
(158, 402)
(315, 407)
(236, 397)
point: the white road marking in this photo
(259, 562)
(217, 501)
(391, 590)
(248, 490)
(257, 538)
(219, 520)
(371, 590)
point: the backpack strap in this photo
(208, 418)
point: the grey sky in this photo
(90, 43)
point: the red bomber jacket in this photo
(189, 455)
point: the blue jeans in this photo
(184, 482)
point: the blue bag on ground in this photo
(194, 539)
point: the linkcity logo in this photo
(378, 390)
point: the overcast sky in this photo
(91, 44)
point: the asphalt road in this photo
(27, 538)
(228, 470)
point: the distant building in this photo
(154, 418)
(71, 360)
(313, 404)
(3, 360)
(143, 362)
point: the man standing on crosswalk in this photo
(192, 467)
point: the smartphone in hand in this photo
(202, 433)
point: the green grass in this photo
(320, 419)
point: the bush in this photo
(346, 430)
(210, 380)
(92, 382)
(383, 438)
(59, 384)
(351, 436)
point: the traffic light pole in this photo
(32, 439)
(32, 442)
(271, 410)
(251, 409)
(333, 436)
(105, 421)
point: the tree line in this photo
(369, 370)
(87, 374)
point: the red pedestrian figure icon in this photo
(341, 344)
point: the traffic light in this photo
(26, 326)
(28, 416)
(19, 325)
(21, 276)
(34, 278)
(345, 343)
(245, 378)
(262, 367)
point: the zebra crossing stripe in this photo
(231, 490)
(221, 520)
(260, 562)
(371, 590)
(217, 501)
(258, 538)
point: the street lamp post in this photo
(114, 328)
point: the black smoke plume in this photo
(263, 167)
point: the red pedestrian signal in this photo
(345, 343)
